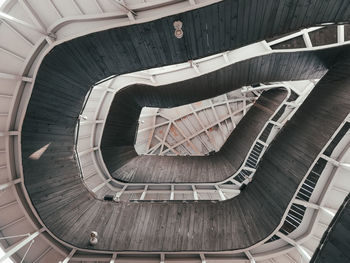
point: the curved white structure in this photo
(28, 30)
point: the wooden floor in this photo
(53, 183)
(125, 165)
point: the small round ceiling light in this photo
(178, 29)
(93, 238)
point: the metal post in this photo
(17, 246)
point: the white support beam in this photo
(118, 194)
(266, 45)
(41, 28)
(227, 60)
(13, 54)
(211, 139)
(77, 7)
(305, 255)
(143, 195)
(249, 169)
(11, 183)
(344, 165)
(195, 194)
(114, 258)
(307, 39)
(164, 138)
(291, 104)
(9, 76)
(263, 143)
(306, 204)
(202, 258)
(154, 148)
(290, 258)
(230, 111)
(130, 13)
(17, 32)
(9, 18)
(155, 126)
(4, 96)
(217, 119)
(195, 67)
(261, 88)
(194, 148)
(26, 79)
(8, 204)
(58, 12)
(340, 34)
(38, 259)
(88, 151)
(330, 160)
(244, 103)
(162, 258)
(250, 257)
(9, 133)
(150, 136)
(340, 190)
(166, 144)
(12, 223)
(172, 194)
(275, 123)
(209, 149)
(69, 256)
(329, 211)
(99, 7)
(234, 181)
(153, 79)
(27, 250)
(20, 244)
(91, 122)
(221, 194)
(325, 226)
(294, 35)
(98, 187)
(229, 190)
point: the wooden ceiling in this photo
(69, 70)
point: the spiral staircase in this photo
(241, 156)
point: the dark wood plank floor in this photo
(67, 72)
